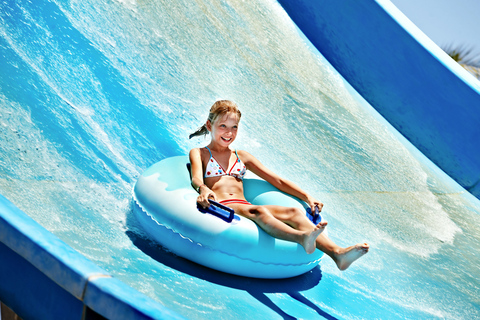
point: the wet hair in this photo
(219, 108)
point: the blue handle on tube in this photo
(218, 210)
(315, 217)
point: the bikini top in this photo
(214, 169)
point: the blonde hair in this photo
(219, 108)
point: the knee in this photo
(260, 213)
(294, 214)
(298, 218)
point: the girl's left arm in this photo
(274, 179)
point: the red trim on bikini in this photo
(232, 201)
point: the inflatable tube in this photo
(166, 209)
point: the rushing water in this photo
(94, 92)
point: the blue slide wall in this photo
(421, 91)
(41, 277)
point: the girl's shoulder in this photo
(242, 152)
(201, 153)
(244, 155)
(194, 151)
(198, 150)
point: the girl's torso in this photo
(226, 183)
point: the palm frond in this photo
(465, 56)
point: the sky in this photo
(446, 22)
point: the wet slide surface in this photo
(407, 78)
(91, 94)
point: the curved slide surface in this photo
(93, 93)
(421, 91)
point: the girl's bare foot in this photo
(308, 242)
(347, 256)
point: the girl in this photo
(217, 173)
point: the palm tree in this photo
(464, 56)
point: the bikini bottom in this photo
(226, 202)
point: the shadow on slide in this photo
(257, 288)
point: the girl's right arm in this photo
(197, 179)
(282, 184)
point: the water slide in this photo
(91, 94)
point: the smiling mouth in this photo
(226, 140)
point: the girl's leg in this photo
(296, 218)
(278, 229)
(343, 257)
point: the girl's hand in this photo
(315, 203)
(205, 194)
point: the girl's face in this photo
(224, 129)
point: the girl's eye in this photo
(223, 126)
